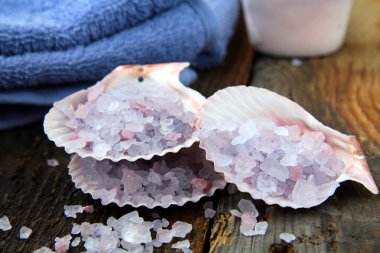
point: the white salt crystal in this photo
(75, 242)
(165, 222)
(274, 169)
(210, 213)
(101, 149)
(181, 244)
(261, 228)
(296, 62)
(75, 229)
(287, 237)
(181, 228)
(282, 131)
(289, 160)
(165, 235)
(52, 162)
(43, 250)
(72, 210)
(235, 212)
(247, 206)
(5, 225)
(25, 232)
(120, 250)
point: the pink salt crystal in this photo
(132, 181)
(171, 136)
(74, 136)
(305, 192)
(199, 183)
(62, 244)
(94, 92)
(88, 209)
(125, 134)
(248, 221)
(295, 173)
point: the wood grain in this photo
(343, 91)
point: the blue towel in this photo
(68, 45)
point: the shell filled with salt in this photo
(172, 179)
(272, 148)
(135, 112)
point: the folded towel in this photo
(95, 39)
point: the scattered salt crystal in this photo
(296, 62)
(25, 232)
(261, 228)
(247, 206)
(181, 244)
(210, 213)
(5, 225)
(88, 209)
(232, 189)
(235, 212)
(52, 162)
(43, 250)
(289, 160)
(181, 228)
(76, 229)
(165, 235)
(75, 242)
(62, 244)
(165, 222)
(72, 210)
(287, 237)
(155, 215)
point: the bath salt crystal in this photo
(181, 228)
(52, 162)
(247, 206)
(296, 62)
(76, 229)
(232, 189)
(43, 250)
(165, 235)
(155, 215)
(75, 242)
(235, 213)
(5, 225)
(88, 209)
(62, 244)
(289, 160)
(181, 245)
(210, 213)
(72, 210)
(208, 204)
(287, 237)
(261, 228)
(25, 232)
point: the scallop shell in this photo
(87, 178)
(166, 75)
(241, 103)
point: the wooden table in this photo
(342, 90)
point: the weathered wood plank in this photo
(342, 90)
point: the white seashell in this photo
(92, 180)
(165, 75)
(240, 103)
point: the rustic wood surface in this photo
(342, 90)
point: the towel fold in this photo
(68, 48)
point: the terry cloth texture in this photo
(65, 45)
